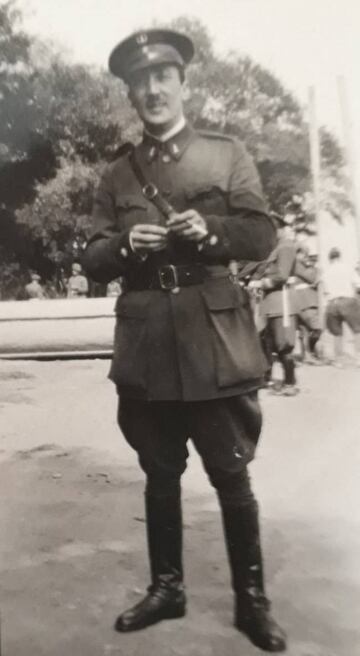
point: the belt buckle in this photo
(168, 277)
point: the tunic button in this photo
(124, 252)
(213, 240)
(166, 158)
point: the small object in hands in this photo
(151, 192)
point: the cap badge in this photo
(141, 39)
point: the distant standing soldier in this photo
(77, 284)
(34, 289)
(307, 302)
(279, 306)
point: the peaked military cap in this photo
(149, 48)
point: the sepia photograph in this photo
(179, 327)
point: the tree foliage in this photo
(238, 96)
(61, 123)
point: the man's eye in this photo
(163, 75)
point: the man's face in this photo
(156, 94)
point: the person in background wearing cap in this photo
(34, 289)
(279, 306)
(77, 286)
(307, 301)
(169, 216)
(342, 305)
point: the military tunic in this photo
(201, 343)
(280, 269)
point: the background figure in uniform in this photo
(342, 306)
(169, 216)
(34, 289)
(77, 286)
(279, 308)
(307, 302)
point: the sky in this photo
(303, 42)
(307, 42)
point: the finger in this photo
(180, 227)
(150, 227)
(160, 247)
(181, 217)
(147, 237)
(193, 233)
(187, 214)
(174, 221)
(149, 248)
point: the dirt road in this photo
(71, 512)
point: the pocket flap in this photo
(202, 190)
(131, 201)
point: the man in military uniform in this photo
(34, 289)
(279, 306)
(169, 215)
(307, 302)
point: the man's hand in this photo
(189, 225)
(147, 238)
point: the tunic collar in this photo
(174, 146)
(170, 133)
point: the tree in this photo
(26, 156)
(64, 122)
(51, 136)
(235, 95)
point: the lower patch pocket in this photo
(237, 352)
(130, 347)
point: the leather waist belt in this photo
(169, 277)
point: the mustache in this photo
(155, 100)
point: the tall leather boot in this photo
(165, 598)
(252, 608)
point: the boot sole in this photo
(265, 646)
(170, 614)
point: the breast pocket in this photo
(131, 209)
(237, 352)
(130, 345)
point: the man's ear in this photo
(186, 93)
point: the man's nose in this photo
(152, 85)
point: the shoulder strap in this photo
(148, 188)
(137, 169)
